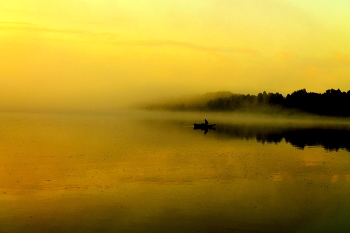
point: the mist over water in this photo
(149, 171)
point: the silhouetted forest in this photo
(330, 103)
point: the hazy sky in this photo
(96, 54)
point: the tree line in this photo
(331, 103)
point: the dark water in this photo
(151, 172)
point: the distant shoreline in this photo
(330, 103)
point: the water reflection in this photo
(330, 135)
(328, 138)
(151, 172)
(204, 127)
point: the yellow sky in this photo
(96, 54)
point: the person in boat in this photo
(205, 122)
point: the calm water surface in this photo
(151, 172)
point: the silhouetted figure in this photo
(205, 122)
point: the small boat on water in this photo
(204, 126)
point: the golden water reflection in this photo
(131, 173)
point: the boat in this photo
(204, 126)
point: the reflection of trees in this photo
(330, 139)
